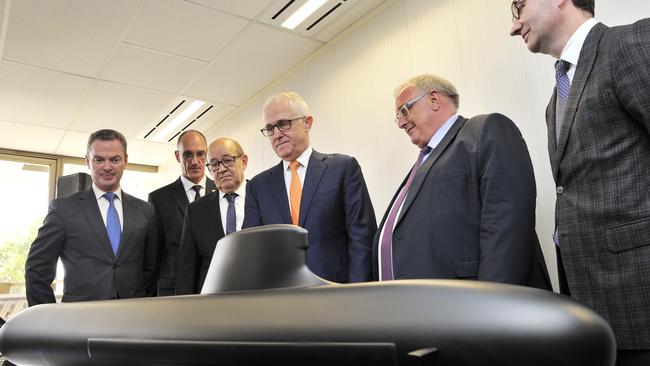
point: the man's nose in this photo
(515, 30)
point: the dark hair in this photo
(106, 135)
(586, 5)
(180, 137)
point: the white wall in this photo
(349, 87)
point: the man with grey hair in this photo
(466, 210)
(171, 202)
(105, 238)
(323, 193)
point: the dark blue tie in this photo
(562, 87)
(387, 236)
(113, 226)
(231, 216)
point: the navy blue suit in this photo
(335, 208)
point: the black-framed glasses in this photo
(227, 161)
(189, 155)
(404, 110)
(282, 125)
(516, 7)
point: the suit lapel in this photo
(214, 211)
(129, 215)
(209, 186)
(426, 166)
(279, 192)
(583, 70)
(89, 206)
(179, 195)
(315, 170)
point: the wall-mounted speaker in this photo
(71, 183)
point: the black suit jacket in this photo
(470, 211)
(335, 208)
(201, 230)
(601, 167)
(170, 202)
(74, 231)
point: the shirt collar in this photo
(442, 131)
(303, 159)
(99, 193)
(571, 51)
(188, 184)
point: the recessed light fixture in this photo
(176, 121)
(302, 13)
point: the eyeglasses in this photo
(227, 161)
(404, 110)
(188, 155)
(516, 7)
(282, 125)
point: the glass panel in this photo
(25, 191)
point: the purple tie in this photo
(562, 87)
(387, 235)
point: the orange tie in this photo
(295, 192)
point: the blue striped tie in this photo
(562, 87)
(113, 226)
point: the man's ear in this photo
(309, 120)
(178, 156)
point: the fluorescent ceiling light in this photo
(301, 14)
(178, 120)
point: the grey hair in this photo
(427, 82)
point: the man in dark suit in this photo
(467, 208)
(323, 193)
(171, 200)
(599, 145)
(213, 216)
(105, 238)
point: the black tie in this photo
(197, 189)
(231, 217)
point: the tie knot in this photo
(197, 189)
(231, 197)
(425, 150)
(110, 196)
(294, 165)
(562, 66)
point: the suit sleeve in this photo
(508, 193)
(187, 263)
(360, 223)
(40, 267)
(251, 209)
(632, 74)
(151, 254)
(160, 238)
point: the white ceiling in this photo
(70, 67)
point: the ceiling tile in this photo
(124, 108)
(36, 96)
(183, 28)
(151, 69)
(25, 137)
(263, 52)
(73, 143)
(75, 36)
(248, 8)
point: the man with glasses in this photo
(598, 121)
(466, 210)
(323, 193)
(213, 216)
(171, 200)
(106, 239)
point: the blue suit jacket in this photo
(335, 209)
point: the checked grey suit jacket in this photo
(601, 166)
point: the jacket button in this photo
(559, 190)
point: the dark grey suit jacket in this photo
(170, 202)
(201, 230)
(470, 211)
(335, 208)
(601, 167)
(74, 231)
